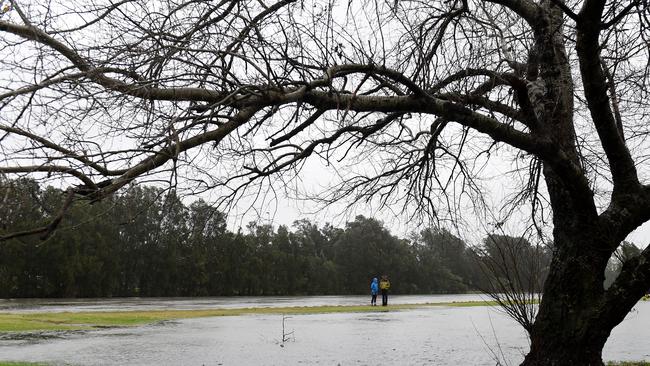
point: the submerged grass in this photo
(31, 322)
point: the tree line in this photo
(147, 242)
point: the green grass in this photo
(32, 322)
(12, 363)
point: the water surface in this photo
(425, 336)
(233, 302)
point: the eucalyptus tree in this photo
(411, 101)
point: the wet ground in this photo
(234, 302)
(428, 336)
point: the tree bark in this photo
(575, 317)
(567, 329)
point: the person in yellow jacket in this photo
(384, 286)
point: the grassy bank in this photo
(31, 322)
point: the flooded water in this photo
(234, 302)
(426, 336)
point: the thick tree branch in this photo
(49, 169)
(594, 79)
(488, 104)
(369, 69)
(626, 212)
(409, 104)
(566, 10)
(97, 74)
(445, 109)
(526, 115)
(630, 285)
(613, 95)
(527, 9)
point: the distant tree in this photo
(366, 249)
(207, 228)
(19, 210)
(446, 260)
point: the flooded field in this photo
(427, 336)
(234, 302)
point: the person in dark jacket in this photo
(374, 290)
(384, 286)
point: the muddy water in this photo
(428, 336)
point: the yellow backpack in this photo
(384, 284)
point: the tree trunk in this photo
(561, 351)
(576, 315)
(568, 329)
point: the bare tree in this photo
(233, 96)
(514, 274)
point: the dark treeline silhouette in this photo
(146, 242)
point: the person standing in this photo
(374, 290)
(384, 286)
